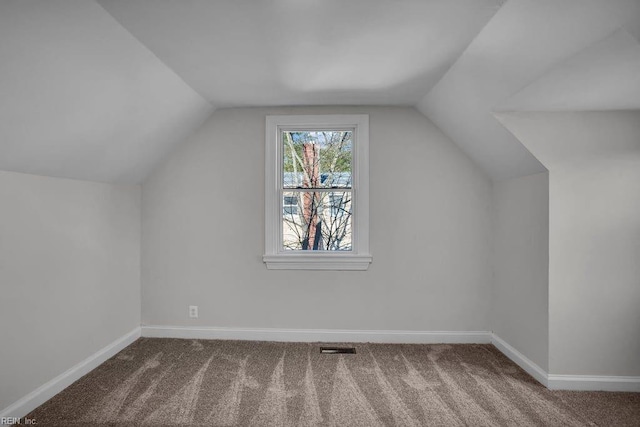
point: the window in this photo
(290, 207)
(317, 192)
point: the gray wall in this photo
(69, 274)
(595, 268)
(203, 234)
(594, 236)
(520, 310)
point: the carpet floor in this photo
(160, 382)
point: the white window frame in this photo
(275, 257)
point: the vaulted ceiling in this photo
(80, 97)
(304, 52)
(103, 90)
(531, 41)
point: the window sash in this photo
(281, 146)
(321, 223)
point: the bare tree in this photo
(317, 167)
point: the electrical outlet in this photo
(193, 311)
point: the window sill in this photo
(316, 261)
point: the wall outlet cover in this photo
(193, 311)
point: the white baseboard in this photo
(566, 382)
(593, 383)
(317, 335)
(554, 382)
(520, 359)
(46, 391)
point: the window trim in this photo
(275, 257)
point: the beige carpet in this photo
(184, 382)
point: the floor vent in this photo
(337, 350)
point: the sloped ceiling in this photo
(81, 98)
(604, 76)
(523, 41)
(562, 138)
(103, 91)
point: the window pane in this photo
(317, 159)
(289, 210)
(321, 221)
(290, 205)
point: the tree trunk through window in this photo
(311, 201)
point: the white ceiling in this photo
(564, 138)
(103, 91)
(604, 76)
(523, 41)
(81, 98)
(306, 52)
